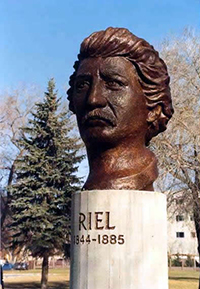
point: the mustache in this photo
(100, 114)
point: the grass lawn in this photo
(30, 279)
(59, 279)
(183, 279)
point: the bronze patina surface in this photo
(120, 94)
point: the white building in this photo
(181, 233)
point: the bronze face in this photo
(109, 102)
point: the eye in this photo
(114, 83)
(81, 85)
(111, 82)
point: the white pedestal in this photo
(119, 240)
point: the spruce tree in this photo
(45, 180)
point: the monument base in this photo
(119, 240)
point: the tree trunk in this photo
(45, 270)
(197, 226)
(196, 207)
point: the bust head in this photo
(119, 92)
(150, 68)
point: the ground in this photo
(183, 279)
(30, 279)
(59, 279)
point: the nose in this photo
(96, 97)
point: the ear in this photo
(154, 113)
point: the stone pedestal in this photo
(119, 240)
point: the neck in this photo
(122, 167)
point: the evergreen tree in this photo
(45, 180)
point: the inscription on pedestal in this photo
(96, 221)
(101, 220)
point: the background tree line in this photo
(178, 149)
(40, 181)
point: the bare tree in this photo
(15, 106)
(178, 150)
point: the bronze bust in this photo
(120, 94)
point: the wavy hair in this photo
(151, 70)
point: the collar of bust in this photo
(140, 180)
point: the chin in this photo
(98, 136)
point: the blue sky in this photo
(40, 39)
